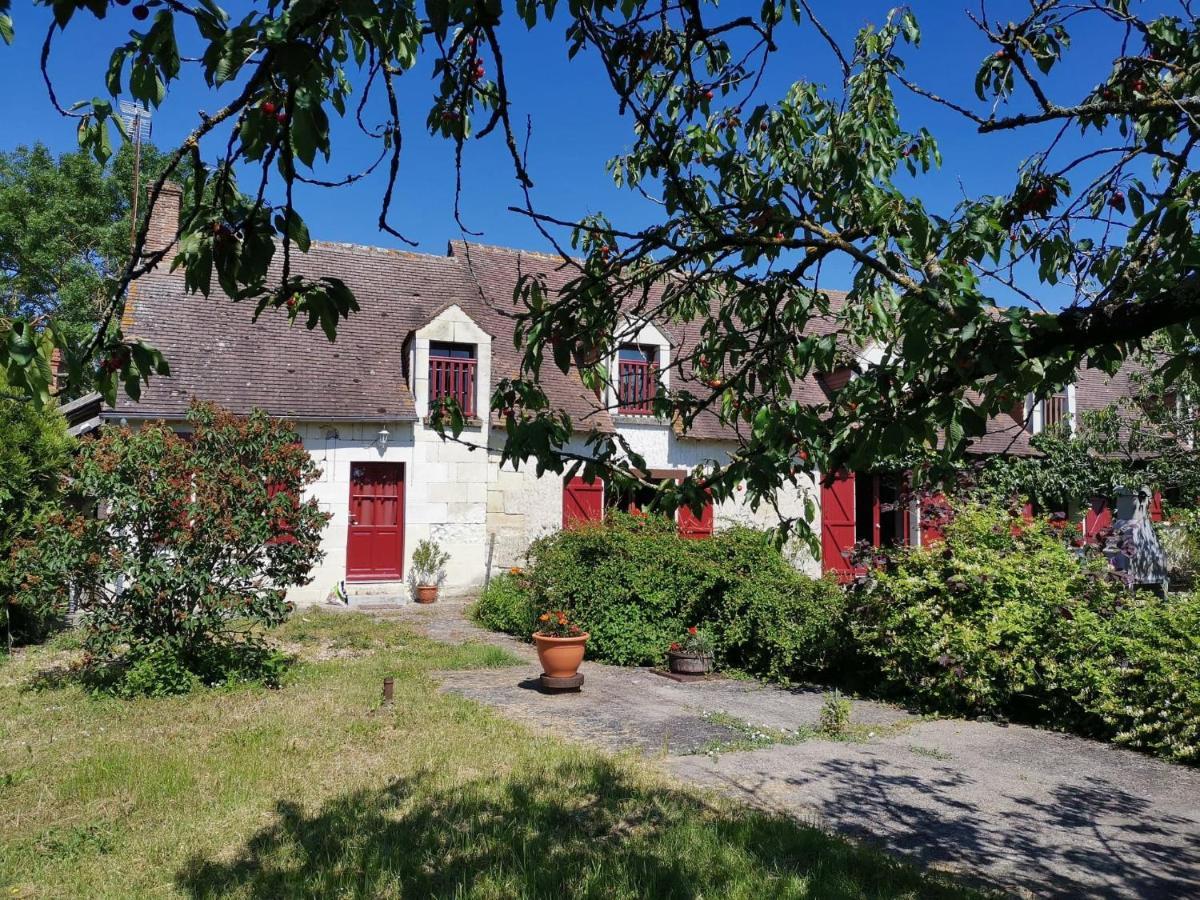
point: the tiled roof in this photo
(217, 353)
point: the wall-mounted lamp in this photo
(381, 439)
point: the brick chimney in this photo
(164, 218)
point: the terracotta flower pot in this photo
(426, 593)
(683, 663)
(560, 656)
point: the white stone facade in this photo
(483, 515)
(457, 494)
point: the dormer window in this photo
(452, 370)
(637, 365)
(1054, 411)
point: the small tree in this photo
(34, 452)
(196, 542)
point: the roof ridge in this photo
(512, 250)
(374, 248)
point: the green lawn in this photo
(317, 790)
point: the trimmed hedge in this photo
(635, 585)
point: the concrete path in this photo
(1033, 812)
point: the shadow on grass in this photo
(583, 828)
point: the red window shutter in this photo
(582, 502)
(1156, 507)
(933, 515)
(837, 525)
(693, 526)
(1097, 518)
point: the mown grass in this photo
(318, 790)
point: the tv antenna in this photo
(137, 126)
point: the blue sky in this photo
(575, 123)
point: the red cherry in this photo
(281, 117)
(708, 95)
(1139, 86)
(141, 12)
(1117, 201)
(1001, 53)
(803, 455)
(479, 70)
(763, 125)
(267, 107)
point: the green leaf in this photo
(290, 223)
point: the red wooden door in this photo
(693, 526)
(375, 543)
(837, 524)
(1156, 507)
(582, 502)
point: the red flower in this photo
(692, 630)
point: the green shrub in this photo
(1144, 685)
(1003, 619)
(971, 626)
(835, 714)
(506, 606)
(35, 450)
(635, 585)
(168, 668)
(765, 617)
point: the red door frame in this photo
(371, 547)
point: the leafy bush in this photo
(34, 453)
(199, 541)
(764, 616)
(635, 585)
(1003, 619)
(1142, 684)
(429, 563)
(505, 605)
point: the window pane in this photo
(451, 351)
(632, 353)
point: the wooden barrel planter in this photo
(683, 663)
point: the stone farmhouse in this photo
(442, 325)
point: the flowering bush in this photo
(694, 641)
(196, 544)
(556, 623)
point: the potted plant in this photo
(559, 643)
(429, 561)
(693, 655)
